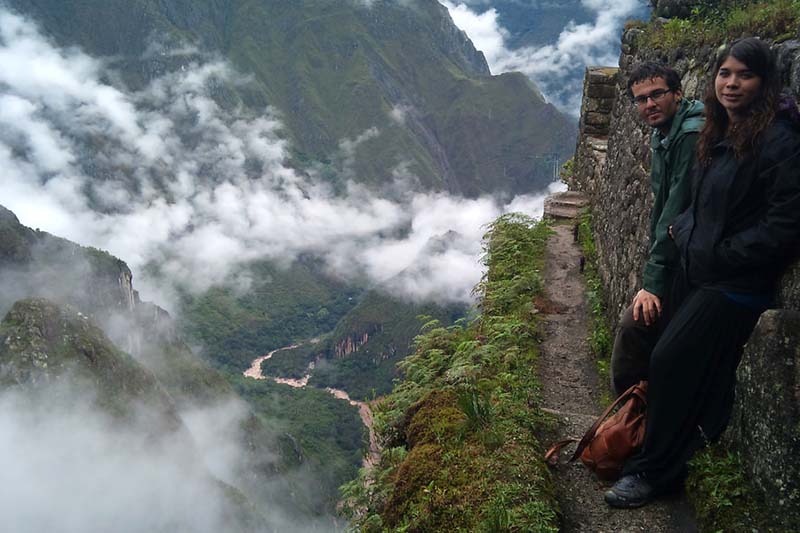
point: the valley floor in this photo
(571, 390)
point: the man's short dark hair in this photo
(650, 70)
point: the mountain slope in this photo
(397, 80)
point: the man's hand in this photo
(647, 305)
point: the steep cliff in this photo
(612, 167)
(34, 262)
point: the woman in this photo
(735, 239)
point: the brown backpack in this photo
(611, 440)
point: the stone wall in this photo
(599, 95)
(619, 192)
(765, 424)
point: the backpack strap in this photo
(551, 457)
(636, 390)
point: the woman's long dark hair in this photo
(745, 136)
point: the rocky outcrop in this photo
(42, 343)
(351, 343)
(34, 263)
(52, 355)
(764, 428)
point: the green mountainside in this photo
(283, 305)
(361, 354)
(335, 69)
(399, 78)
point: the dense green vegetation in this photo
(283, 306)
(715, 22)
(327, 439)
(291, 363)
(390, 325)
(361, 354)
(460, 431)
(600, 337)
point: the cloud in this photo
(68, 467)
(165, 177)
(556, 68)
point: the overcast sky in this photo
(55, 105)
(558, 67)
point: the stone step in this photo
(565, 205)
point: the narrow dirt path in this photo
(571, 391)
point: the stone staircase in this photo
(565, 205)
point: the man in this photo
(656, 92)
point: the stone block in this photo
(765, 425)
(602, 91)
(597, 119)
(787, 55)
(601, 75)
(605, 106)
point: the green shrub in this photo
(460, 431)
(712, 23)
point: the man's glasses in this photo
(655, 96)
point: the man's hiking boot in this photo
(629, 492)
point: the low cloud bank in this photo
(70, 467)
(165, 177)
(556, 68)
(67, 467)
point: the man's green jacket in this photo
(670, 178)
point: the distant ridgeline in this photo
(335, 69)
(612, 166)
(54, 294)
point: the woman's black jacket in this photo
(743, 225)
